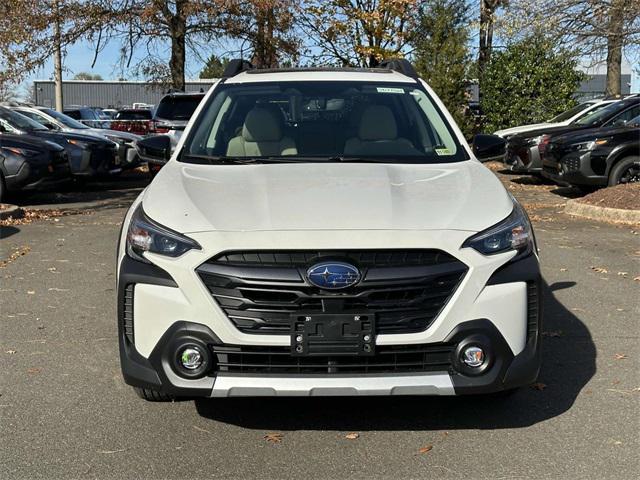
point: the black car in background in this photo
(88, 156)
(595, 157)
(523, 152)
(26, 162)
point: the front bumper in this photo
(505, 312)
(572, 169)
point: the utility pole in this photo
(57, 56)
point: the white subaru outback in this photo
(325, 232)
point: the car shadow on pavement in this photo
(7, 231)
(569, 357)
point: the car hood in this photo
(547, 131)
(588, 134)
(334, 196)
(62, 137)
(526, 128)
(129, 137)
(28, 141)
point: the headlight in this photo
(24, 152)
(115, 139)
(586, 146)
(78, 143)
(513, 233)
(144, 235)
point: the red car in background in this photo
(133, 120)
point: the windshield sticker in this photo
(443, 151)
(390, 90)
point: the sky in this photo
(80, 56)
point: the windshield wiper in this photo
(226, 160)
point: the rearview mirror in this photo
(488, 147)
(155, 149)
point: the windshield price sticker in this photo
(390, 90)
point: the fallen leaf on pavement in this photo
(619, 356)
(109, 452)
(599, 269)
(34, 370)
(623, 274)
(538, 386)
(273, 437)
(352, 436)
(563, 269)
(10, 352)
(426, 449)
(636, 279)
(201, 429)
(31, 292)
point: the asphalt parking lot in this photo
(66, 413)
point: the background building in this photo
(107, 94)
(596, 83)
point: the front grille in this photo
(571, 164)
(387, 359)
(260, 291)
(127, 312)
(361, 258)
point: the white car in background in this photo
(54, 120)
(565, 118)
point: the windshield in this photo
(66, 120)
(18, 121)
(599, 116)
(179, 107)
(571, 112)
(133, 115)
(395, 123)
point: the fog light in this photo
(191, 358)
(473, 357)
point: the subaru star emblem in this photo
(333, 275)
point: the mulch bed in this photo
(626, 197)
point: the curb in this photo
(12, 211)
(602, 214)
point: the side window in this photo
(624, 117)
(6, 127)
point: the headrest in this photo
(262, 125)
(377, 123)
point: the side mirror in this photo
(488, 147)
(154, 149)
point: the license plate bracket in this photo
(332, 334)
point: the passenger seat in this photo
(261, 135)
(378, 135)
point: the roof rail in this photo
(400, 65)
(236, 66)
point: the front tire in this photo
(626, 170)
(152, 395)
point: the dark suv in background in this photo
(174, 112)
(171, 118)
(595, 157)
(524, 151)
